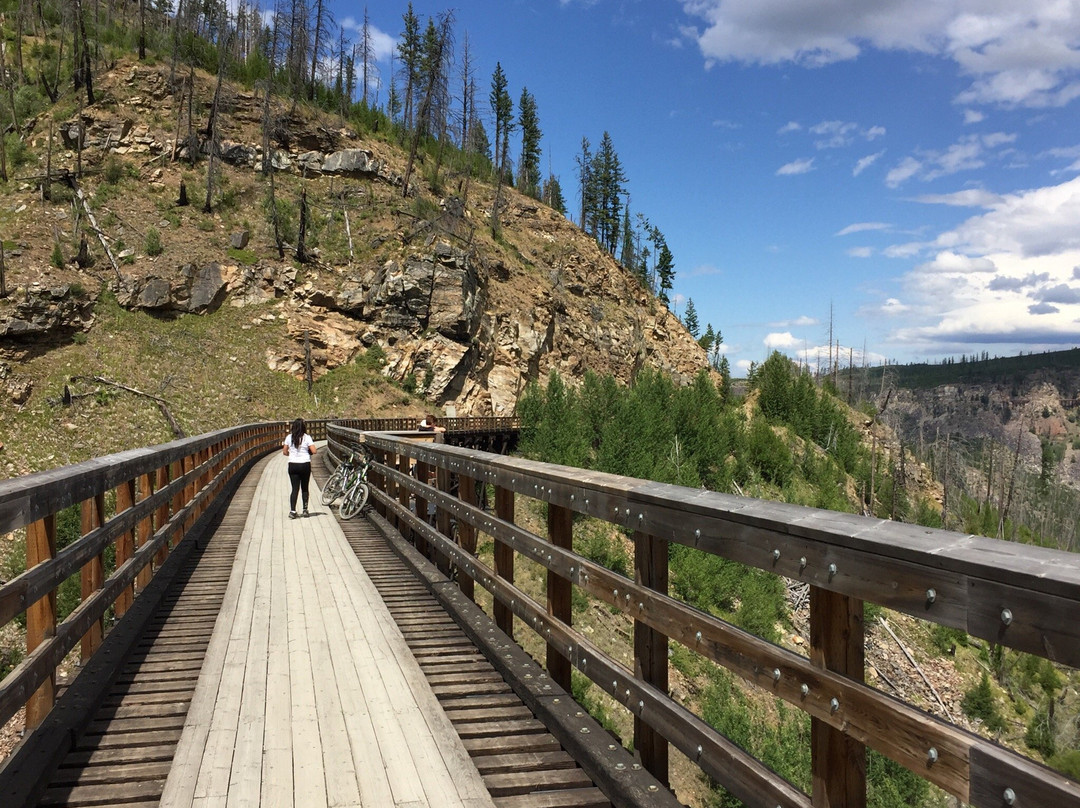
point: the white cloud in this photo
(833, 134)
(1018, 55)
(860, 252)
(948, 261)
(893, 307)
(790, 126)
(967, 154)
(801, 166)
(865, 163)
(382, 43)
(778, 340)
(970, 198)
(802, 321)
(907, 169)
(973, 116)
(862, 227)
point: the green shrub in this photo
(246, 257)
(113, 171)
(153, 242)
(1040, 732)
(57, 255)
(408, 384)
(1068, 763)
(947, 639)
(373, 358)
(607, 551)
(978, 703)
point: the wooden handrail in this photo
(1024, 597)
(147, 521)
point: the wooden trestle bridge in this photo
(227, 655)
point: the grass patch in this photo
(246, 257)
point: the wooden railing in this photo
(463, 424)
(1020, 596)
(141, 503)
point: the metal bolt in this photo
(641, 517)
(834, 704)
(627, 513)
(699, 751)
(802, 563)
(697, 534)
(776, 675)
(586, 500)
(775, 555)
(615, 592)
(1009, 796)
(805, 689)
(1006, 616)
(572, 497)
(698, 635)
(832, 570)
(641, 705)
(931, 756)
(931, 595)
(641, 606)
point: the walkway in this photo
(309, 694)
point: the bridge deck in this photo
(309, 694)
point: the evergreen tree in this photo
(604, 196)
(503, 107)
(665, 270)
(529, 165)
(706, 340)
(628, 256)
(552, 194)
(690, 318)
(409, 49)
(584, 163)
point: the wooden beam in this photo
(423, 474)
(125, 544)
(651, 651)
(41, 615)
(504, 559)
(838, 762)
(92, 575)
(560, 526)
(404, 463)
(444, 482)
(466, 534)
(144, 531)
(161, 515)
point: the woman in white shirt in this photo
(299, 448)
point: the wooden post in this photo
(504, 558)
(41, 615)
(423, 474)
(125, 546)
(561, 534)
(176, 471)
(161, 516)
(92, 576)
(444, 482)
(144, 531)
(404, 461)
(467, 534)
(838, 763)
(651, 651)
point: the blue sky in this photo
(911, 166)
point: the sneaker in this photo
(306, 514)
(292, 514)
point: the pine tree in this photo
(665, 270)
(690, 319)
(503, 107)
(552, 194)
(409, 51)
(584, 163)
(529, 164)
(707, 339)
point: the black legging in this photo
(299, 475)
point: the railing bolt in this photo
(698, 636)
(572, 497)
(931, 756)
(699, 751)
(614, 684)
(641, 705)
(802, 563)
(1009, 796)
(931, 595)
(1006, 616)
(697, 534)
(776, 675)
(615, 593)
(641, 517)
(641, 606)
(775, 555)
(834, 704)
(832, 570)
(805, 689)
(586, 500)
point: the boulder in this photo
(238, 154)
(352, 163)
(45, 312)
(207, 290)
(280, 161)
(239, 239)
(310, 162)
(155, 295)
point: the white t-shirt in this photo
(300, 455)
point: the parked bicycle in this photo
(356, 491)
(335, 485)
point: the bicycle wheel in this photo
(354, 501)
(332, 489)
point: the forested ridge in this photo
(792, 438)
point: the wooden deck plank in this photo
(311, 679)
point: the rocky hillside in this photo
(463, 318)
